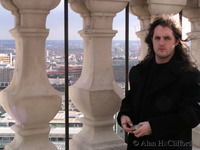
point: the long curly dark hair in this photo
(180, 50)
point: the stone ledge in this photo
(195, 148)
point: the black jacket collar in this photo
(168, 75)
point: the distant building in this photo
(6, 58)
(74, 72)
(6, 74)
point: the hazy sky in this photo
(55, 22)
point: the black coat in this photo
(171, 105)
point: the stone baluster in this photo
(140, 9)
(30, 99)
(192, 12)
(96, 93)
(157, 7)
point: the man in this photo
(162, 105)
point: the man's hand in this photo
(126, 124)
(144, 129)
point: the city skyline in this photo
(75, 24)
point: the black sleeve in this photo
(188, 114)
(126, 108)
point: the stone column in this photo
(193, 15)
(140, 9)
(30, 99)
(157, 7)
(96, 93)
(192, 12)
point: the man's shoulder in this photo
(190, 77)
(142, 65)
(137, 68)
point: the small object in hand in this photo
(135, 127)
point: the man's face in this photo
(164, 44)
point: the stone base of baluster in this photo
(30, 139)
(97, 135)
(196, 136)
(111, 145)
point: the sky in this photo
(55, 22)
